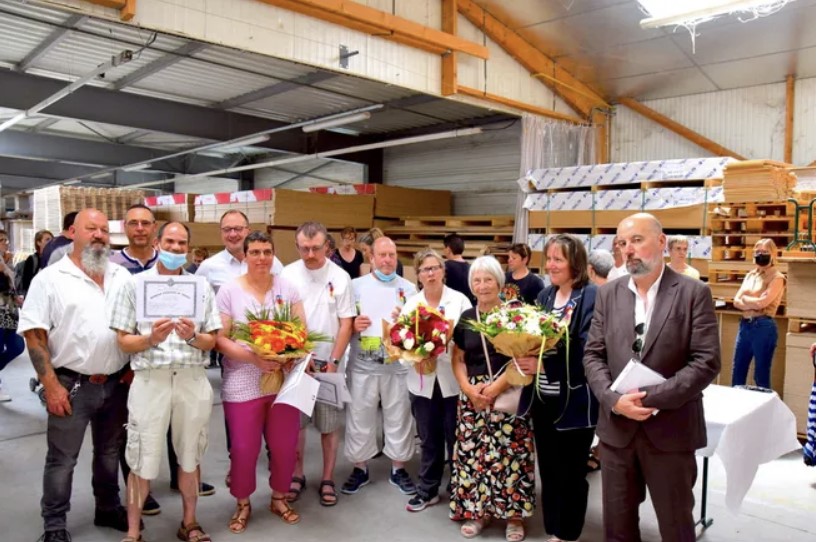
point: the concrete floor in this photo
(780, 505)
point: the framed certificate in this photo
(169, 296)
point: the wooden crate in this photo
(728, 322)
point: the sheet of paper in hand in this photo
(635, 376)
(169, 296)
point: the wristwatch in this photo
(191, 340)
(334, 361)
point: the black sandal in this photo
(294, 492)
(329, 497)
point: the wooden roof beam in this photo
(127, 8)
(449, 61)
(679, 129)
(578, 95)
(475, 93)
(788, 141)
(379, 23)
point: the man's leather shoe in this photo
(55, 536)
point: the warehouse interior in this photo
(504, 122)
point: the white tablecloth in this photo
(745, 429)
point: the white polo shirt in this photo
(453, 304)
(224, 267)
(74, 311)
(327, 296)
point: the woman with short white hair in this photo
(493, 462)
(678, 247)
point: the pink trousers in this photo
(247, 421)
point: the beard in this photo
(638, 268)
(95, 259)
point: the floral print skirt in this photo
(493, 470)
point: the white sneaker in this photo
(4, 397)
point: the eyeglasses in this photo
(307, 250)
(255, 253)
(638, 343)
(234, 229)
(137, 223)
(430, 269)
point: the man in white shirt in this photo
(326, 291)
(169, 385)
(229, 264)
(619, 265)
(65, 324)
(376, 381)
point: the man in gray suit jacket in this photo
(649, 436)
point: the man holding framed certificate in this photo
(167, 320)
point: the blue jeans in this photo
(105, 408)
(756, 338)
(11, 346)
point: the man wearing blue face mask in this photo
(373, 380)
(170, 388)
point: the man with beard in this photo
(65, 324)
(326, 291)
(170, 386)
(374, 381)
(649, 436)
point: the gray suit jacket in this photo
(682, 344)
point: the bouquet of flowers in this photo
(418, 337)
(276, 335)
(519, 331)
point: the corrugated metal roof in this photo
(20, 36)
(29, 9)
(250, 62)
(204, 81)
(305, 103)
(390, 121)
(132, 35)
(374, 91)
(450, 110)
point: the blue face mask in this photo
(172, 261)
(384, 277)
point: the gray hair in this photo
(601, 261)
(677, 240)
(421, 256)
(486, 264)
(311, 229)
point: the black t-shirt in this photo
(353, 267)
(470, 343)
(456, 277)
(526, 289)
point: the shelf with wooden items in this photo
(491, 234)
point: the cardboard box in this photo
(800, 300)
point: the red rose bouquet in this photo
(418, 337)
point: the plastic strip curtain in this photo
(547, 143)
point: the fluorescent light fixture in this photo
(98, 175)
(243, 142)
(69, 183)
(664, 13)
(340, 121)
(137, 167)
(12, 121)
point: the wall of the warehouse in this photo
(206, 185)
(481, 170)
(749, 121)
(252, 25)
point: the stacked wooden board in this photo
(393, 202)
(757, 180)
(52, 203)
(173, 207)
(482, 235)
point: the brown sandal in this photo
(296, 487)
(238, 523)
(132, 539)
(186, 533)
(327, 493)
(289, 516)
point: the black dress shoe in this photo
(205, 489)
(115, 519)
(55, 536)
(151, 507)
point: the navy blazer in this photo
(578, 406)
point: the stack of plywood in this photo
(173, 207)
(757, 180)
(799, 371)
(52, 203)
(800, 292)
(287, 208)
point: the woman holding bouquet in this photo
(493, 461)
(249, 410)
(563, 409)
(434, 395)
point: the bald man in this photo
(65, 324)
(373, 380)
(649, 436)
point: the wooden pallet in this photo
(460, 222)
(802, 325)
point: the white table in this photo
(745, 429)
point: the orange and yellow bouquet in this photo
(276, 335)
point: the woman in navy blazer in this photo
(563, 408)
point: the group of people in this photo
(142, 386)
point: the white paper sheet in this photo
(635, 376)
(169, 296)
(299, 389)
(377, 308)
(333, 390)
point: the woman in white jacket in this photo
(434, 396)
